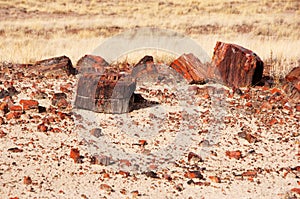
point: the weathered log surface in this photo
(56, 65)
(236, 66)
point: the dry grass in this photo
(32, 30)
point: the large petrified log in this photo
(292, 84)
(236, 66)
(191, 68)
(55, 66)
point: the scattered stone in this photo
(42, 128)
(91, 64)
(15, 150)
(2, 134)
(151, 174)
(234, 154)
(179, 187)
(193, 174)
(42, 109)
(106, 188)
(191, 68)
(194, 158)
(236, 66)
(16, 108)
(29, 104)
(96, 132)
(247, 136)
(54, 66)
(27, 180)
(60, 100)
(101, 160)
(250, 173)
(75, 155)
(13, 115)
(4, 107)
(215, 179)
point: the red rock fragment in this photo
(106, 187)
(234, 154)
(236, 66)
(194, 158)
(193, 174)
(60, 100)
(29, 104)
(143, 142)
(75, 155)
(215, 179)
(42, 128)
(2, 134)
(296, 190)
(135, 193)
(298, 107)
(191, 68)
(250, 173)
(27, 180)
(273, 121)
(4, 107)
(123, 173)
(202, 183)
(266, 106)
(13, 115)
(16, 108)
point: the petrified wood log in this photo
(236, 66)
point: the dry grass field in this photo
(33, 30)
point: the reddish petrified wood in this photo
(111, 92)
(91, 64)
(55, 65)
(191, 68)
(236, 66)
(143, 67)
(292, 84)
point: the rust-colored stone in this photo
(74, 154)
(236, 66)
(234, 154)
(29, 104)
(191, 68)
(27, 180)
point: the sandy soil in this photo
(236, 146)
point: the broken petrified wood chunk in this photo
(191, 68)
(55, 65)
(108, 92)
(235, 65)
(91, 64)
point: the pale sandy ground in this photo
(45, 156)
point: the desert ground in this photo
(227, 145)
